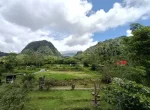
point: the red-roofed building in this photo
(122, 62)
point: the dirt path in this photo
(69, 88)
(42, 70)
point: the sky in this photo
(71, 25)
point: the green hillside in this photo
(102, 52)
(44, 47)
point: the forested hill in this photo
(3, 54)
(104, 51)
(44, 47)
(108, 46)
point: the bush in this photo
(85, 64)
(28, 81)
(128, 95)
(136, 73)
(14, 98)
(2, 69)
(94, 67)
(106, 79)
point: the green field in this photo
(65, 78)
(60, 100)
(57, 98)
(66, 75)
(65, 99)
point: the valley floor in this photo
(60, 96)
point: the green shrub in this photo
(85, 64)
(136, 73)
(128, 95)
(14, 98)
(2, 68)
(93, 67)
(28, 81)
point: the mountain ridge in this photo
(3, 54)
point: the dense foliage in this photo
(107, 51)
(44, 47)
(128, 95)
(14, 98)
(138, 47)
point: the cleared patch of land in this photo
(66, 75)
(60, 100)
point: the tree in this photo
(20, 59)
(135, 26)
(10, 62)
(33, 58)
(70, 61)
(52, 60)
(38, 58)
(127, 95)
(138, 47)
(14, 98)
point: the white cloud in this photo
(129, 33)
(145, 17)
(68, 24)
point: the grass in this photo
(64, 100)
(60, 100)
(65, 75)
